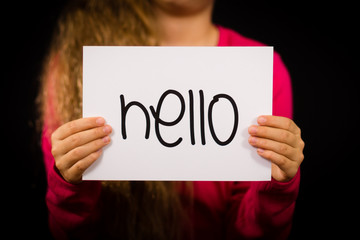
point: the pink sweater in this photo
(222, 210)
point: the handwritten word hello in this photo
(158, 121)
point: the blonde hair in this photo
(86, 23)
(138, 210)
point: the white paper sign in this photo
(178, 113)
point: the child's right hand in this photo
(78, 144)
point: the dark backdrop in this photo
(317, 42)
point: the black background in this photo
(318, 43)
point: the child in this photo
(156, 210)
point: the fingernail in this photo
(261, 120)
(252, 129)
(252, 140)
(106, 139)
(100, 121)
(107, 129)
(260, 150)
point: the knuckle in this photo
(284, 135)
(301, 157)
(269, 154)
(80, 168)
(54, 150)
(281, 162)
(65, 175)
(76, 153)
(59, 165)
(283, 148)
(302, 144)
(288, 124)
(53, 137)
(75, 140)
(72, 126)
(68, 177)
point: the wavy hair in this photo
(130, 210)
(86, 22)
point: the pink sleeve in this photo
(71, 208)
(282, 90)
(265, 211)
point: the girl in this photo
(156, 210)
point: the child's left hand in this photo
(278, 139)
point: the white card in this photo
(178, 113)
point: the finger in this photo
(279, 160)
(276, 134)
(279, 122)
(76, 126)
(81, 152)
(274, 146)
(288, 167)
(84, 137)
(74, 174)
